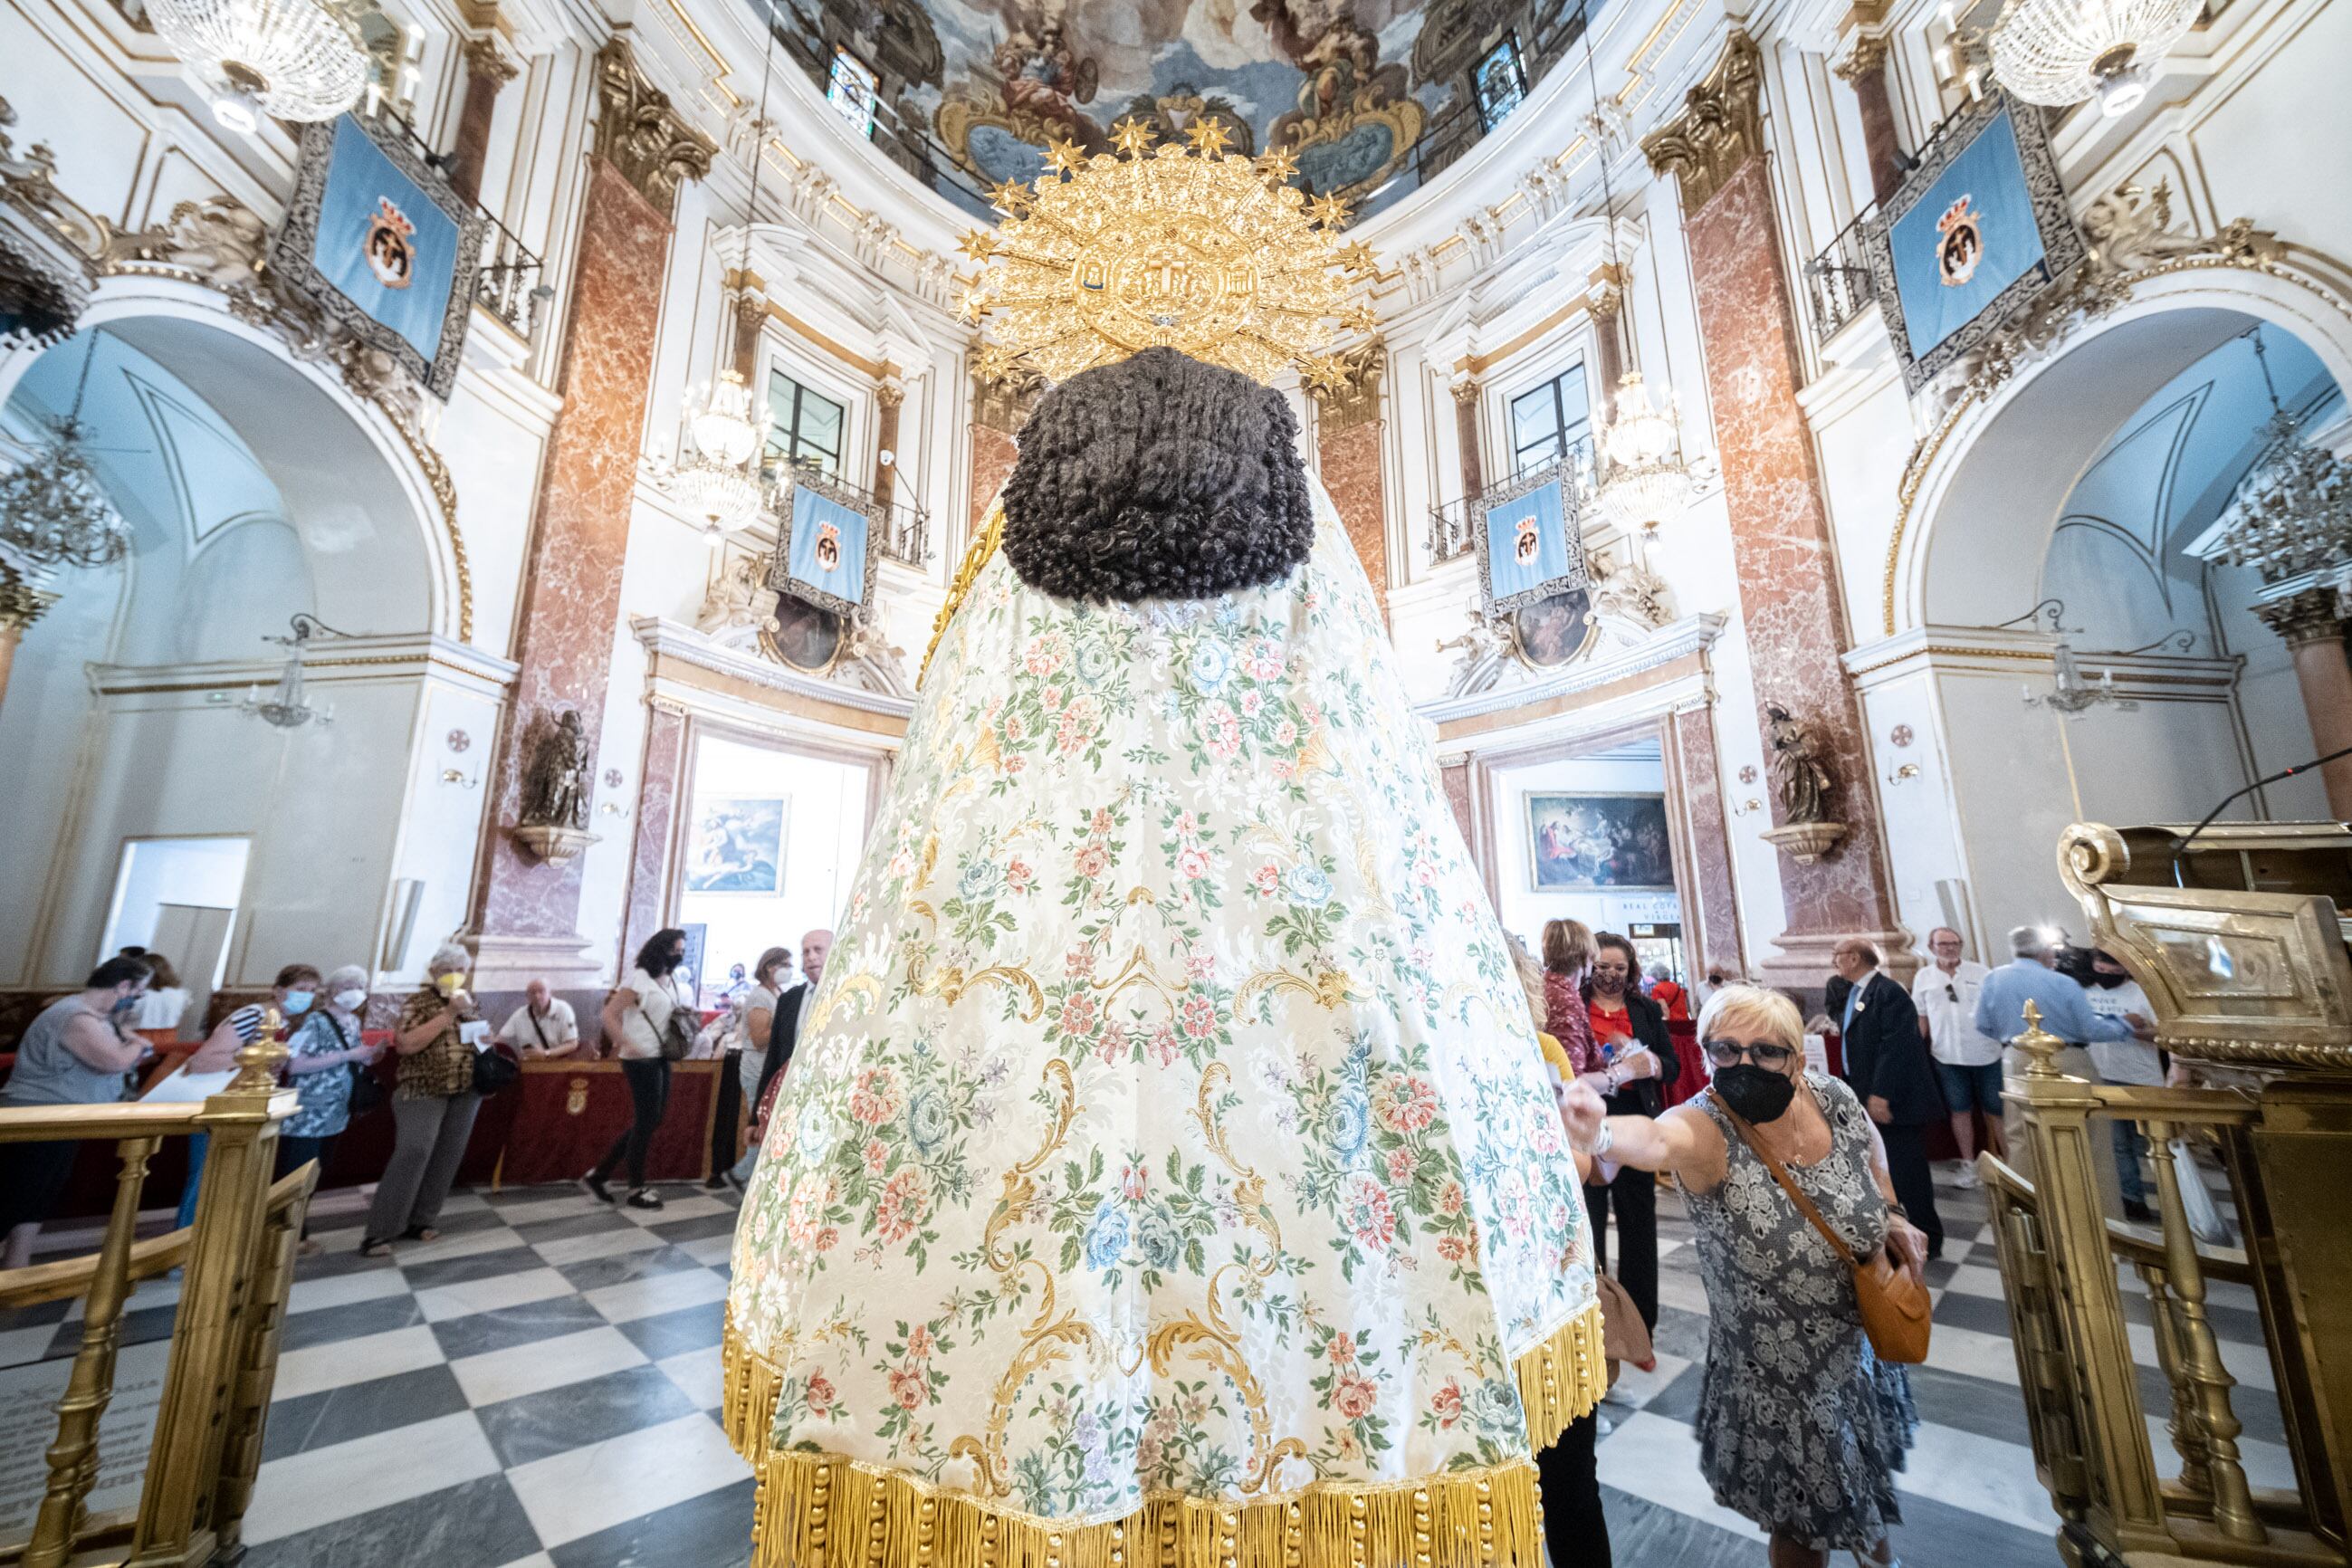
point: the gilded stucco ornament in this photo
(1720, 127)
(641, 135)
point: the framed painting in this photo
(737, 845)
(1580, 840)
(1530, 538)
(1971, 236)
(1555, 631)
(825, 544)
(381, 243)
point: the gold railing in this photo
(2237, 941)
(238, 1258)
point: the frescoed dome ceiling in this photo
(1372, 96)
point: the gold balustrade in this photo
(2240, 948)
(238, 1257)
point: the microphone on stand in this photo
(2180, 845)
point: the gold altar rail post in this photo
(2237, 940)
(239, 1262)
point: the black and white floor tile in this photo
(539, 1389)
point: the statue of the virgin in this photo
(1167, 1174)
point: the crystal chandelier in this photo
(1644, 477)
(286, 708)
(291, 60)
(723, 429)
(2291, 514)
(54, 512)
(2060, 52)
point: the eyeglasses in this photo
(1952, 993)
(1723, 1053)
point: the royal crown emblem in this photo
(1961, 245)
(1526, 547)
(386, 246)
(828, 547)
(1188, 248)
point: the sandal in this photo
(420, 1233)
(373, 1248)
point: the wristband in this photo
(1601, 1144)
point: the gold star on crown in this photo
(1193, 248)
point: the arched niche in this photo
(377, 537)
(1991, 481)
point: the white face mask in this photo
(349, 1001)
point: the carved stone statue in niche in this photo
(868, 660)
(1800, 778)
(556, 788)
(1486, 646)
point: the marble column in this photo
(486, 70)
(1454, 778)
(2315, 634)
(888, 397)
(997, 412)
(527, 912)
(1711, 920)
(658, 777)
(21, 604)
(1466, 435)
(1347, 443)
(1793, 618)
(1864, 69)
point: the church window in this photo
(804, 426)
(1551, 421)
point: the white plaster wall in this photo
(1522, 908)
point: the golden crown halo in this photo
(1188, 248)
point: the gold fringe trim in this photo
(816, 1510)
(1563, 1378)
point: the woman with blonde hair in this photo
(1800, 1427)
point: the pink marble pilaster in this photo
(1711, 923)
(660, 776)
(571, 599)
(1350, 454)
(1793, 621)
(1454, 778)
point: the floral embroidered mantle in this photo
(1169, 1122)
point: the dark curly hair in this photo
(1157, 477)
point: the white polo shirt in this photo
(1949, 1003)
(2124, 1061)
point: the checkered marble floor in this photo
(538, 1389)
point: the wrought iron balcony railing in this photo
(507, 282)
(1838, 284)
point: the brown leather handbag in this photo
(1896, 1311)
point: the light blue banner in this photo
(828, 545)
(1527, 542)
(1971, 235)
(382, 242)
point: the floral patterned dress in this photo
(1168, 1120)
(1800, 1427)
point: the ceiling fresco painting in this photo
(1368, 96)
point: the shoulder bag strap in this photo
(1796, 1194)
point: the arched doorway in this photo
(257, 489)
(2067, 643)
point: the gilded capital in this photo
(1867, 58)
(1720, 127)
(21, 604)
(641, 135)
(2309, 616)
(484, 58)
(1466, 389)
(1356, 400)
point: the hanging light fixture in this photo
(2291, 514)
(1641, 476)
(286, 708)
(54, 512)
(290, 59)
(721, 480)
(1646, 478)
(2060, 52)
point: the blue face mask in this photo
(298, 1002)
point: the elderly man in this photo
(1967, 1063)
(2066, 1011)
(1889, 1070)
(784, 1034)
(544, 1027)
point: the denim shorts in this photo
(1971, 1088)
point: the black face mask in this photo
(1754, 1094)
